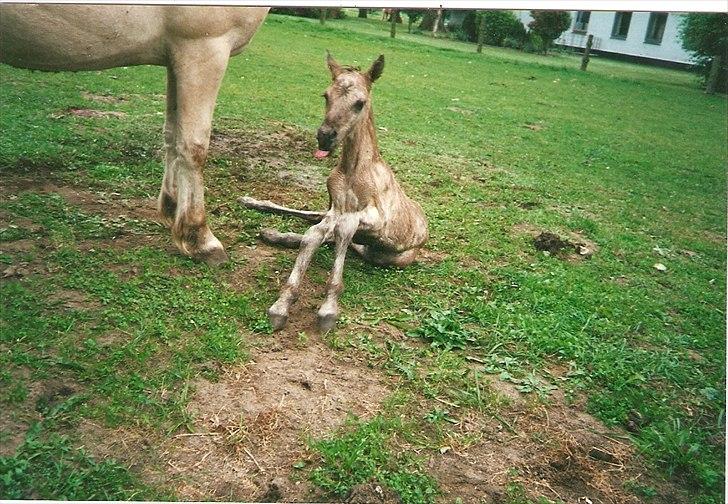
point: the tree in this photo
(393, 22)
(413, 15)
(432, 20)
(706, 36)
(549, 25)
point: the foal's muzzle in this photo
(326, 137)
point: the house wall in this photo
(600, 25)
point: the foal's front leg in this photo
(343, 234)
(311, 241)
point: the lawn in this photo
(489, 371)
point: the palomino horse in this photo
(368, 210)
(194, 43)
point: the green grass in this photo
(632, 158)
(361, 455)
(52, 468)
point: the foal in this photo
(368, 211)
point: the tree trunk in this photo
(712, 83)
(409, 24)
(393, 23)
(436, 26)
(363, 13)
(585, 57)
(322, 16)
(481, 32)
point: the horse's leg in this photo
(274, 237)
(270, 207)
(198, 67)
(345, 229)
(167, 201)
(310, 242)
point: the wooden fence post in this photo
(393, 22)
(481, 32)
(585, 57)
(322, 16)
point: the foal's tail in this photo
(270, 207)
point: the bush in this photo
(549, 25)
(533, 43)
(499, 25)
(513, 43)
(308, 12)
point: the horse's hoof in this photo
(277, 321)
(326, 322)
(213, 257)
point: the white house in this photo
(652, 36)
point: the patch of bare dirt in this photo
(429, 256)
(252, 425)
(556, 451)
(533, 126)
(570, 246)
(72, 299)
(92, 113)
(103, 98)
(372, 493)
(277, 154)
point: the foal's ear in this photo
(334, 66)
(377, 68)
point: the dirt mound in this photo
(252, 426)
(572, 246)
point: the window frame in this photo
(577, 25)
(617, 25)
(651, 27)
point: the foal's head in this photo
(347, 102)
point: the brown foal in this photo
(368, 210)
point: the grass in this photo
(629, 157)
(361, 455)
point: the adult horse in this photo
(194, 43)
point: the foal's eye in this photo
(358, 105)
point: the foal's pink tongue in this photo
(320, 154)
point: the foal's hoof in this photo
(326, 322)
(277, 320)
(213, 257)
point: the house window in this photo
(582, 21)
(621, 25)
(656, 28)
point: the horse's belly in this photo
(80, 37)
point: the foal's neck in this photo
(359, 149)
